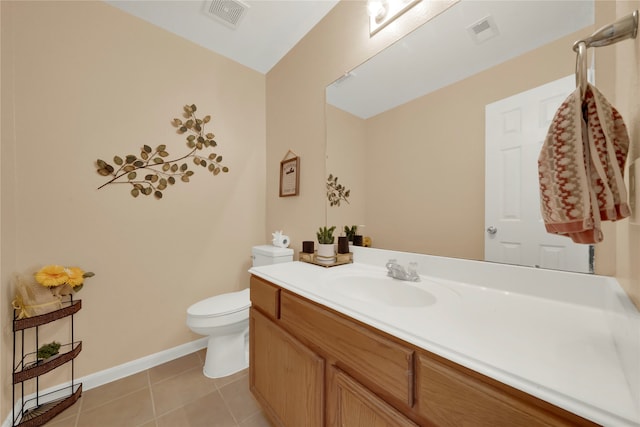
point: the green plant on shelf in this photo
(48, 350)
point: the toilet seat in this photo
(221, 305)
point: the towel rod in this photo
(623, 28)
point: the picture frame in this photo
(290, 177)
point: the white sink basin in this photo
(380, 289)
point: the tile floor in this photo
(175, 394)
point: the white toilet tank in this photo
(268, 254)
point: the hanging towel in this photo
(581, 167)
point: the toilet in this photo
(225, 320)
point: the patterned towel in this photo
(581, 167)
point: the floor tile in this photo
(114, 390)
(239, 399)
(259, 419)
(180, 390)
(221, 382)
(63, 422)
(175, 394)
(133, 410)
(206, 411)
(67, 416)
(174, 367)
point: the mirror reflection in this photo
(407, 133)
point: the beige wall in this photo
(346, 155)
(295, 117)
(425, 159)
(627, 88)
(73, 90)
(296, 110)
(81, 81)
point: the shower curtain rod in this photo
(624, 28)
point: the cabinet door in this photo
(285, 376)
(448, 397)
(356, 406)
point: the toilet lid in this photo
(220, 305)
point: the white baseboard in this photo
(117, 372)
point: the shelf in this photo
(41, 408)
(341, 259)
(38, 415)
(72, 307)
(34, 369)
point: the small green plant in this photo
(336, 192)
(325, 235)
(48, 350)
(151, 172)
(350, 231)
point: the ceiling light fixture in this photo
(384, 12)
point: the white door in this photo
(515, 129)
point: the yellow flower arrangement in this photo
(57, 275)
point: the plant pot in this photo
(326, 253)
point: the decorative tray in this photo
(341, 259)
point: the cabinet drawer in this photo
(447, 396)
(381, 364)
(265, 297)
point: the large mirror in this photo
(406, 130)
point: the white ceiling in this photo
(443, 51)
(269, 29)
(437, 54)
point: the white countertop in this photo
(560, 351)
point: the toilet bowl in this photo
(225, 320)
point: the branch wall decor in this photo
(151, 172)
(336, 192)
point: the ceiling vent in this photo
(229, 12)
(483, 30)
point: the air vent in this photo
(229, 12)
(483, 30)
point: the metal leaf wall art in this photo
(152, 172)
(336, 192)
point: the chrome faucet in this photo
(397, 271)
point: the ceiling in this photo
(267, 31)
(445, 51)
(440, 53)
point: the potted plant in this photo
(350, 231)
(326, 249)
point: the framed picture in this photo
(290, 177)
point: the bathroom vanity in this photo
(323, 352)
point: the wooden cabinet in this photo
(356, 406)
(313, 366)
(449, 396)
(380, 363)
(285, 376)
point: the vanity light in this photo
(384, 12)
